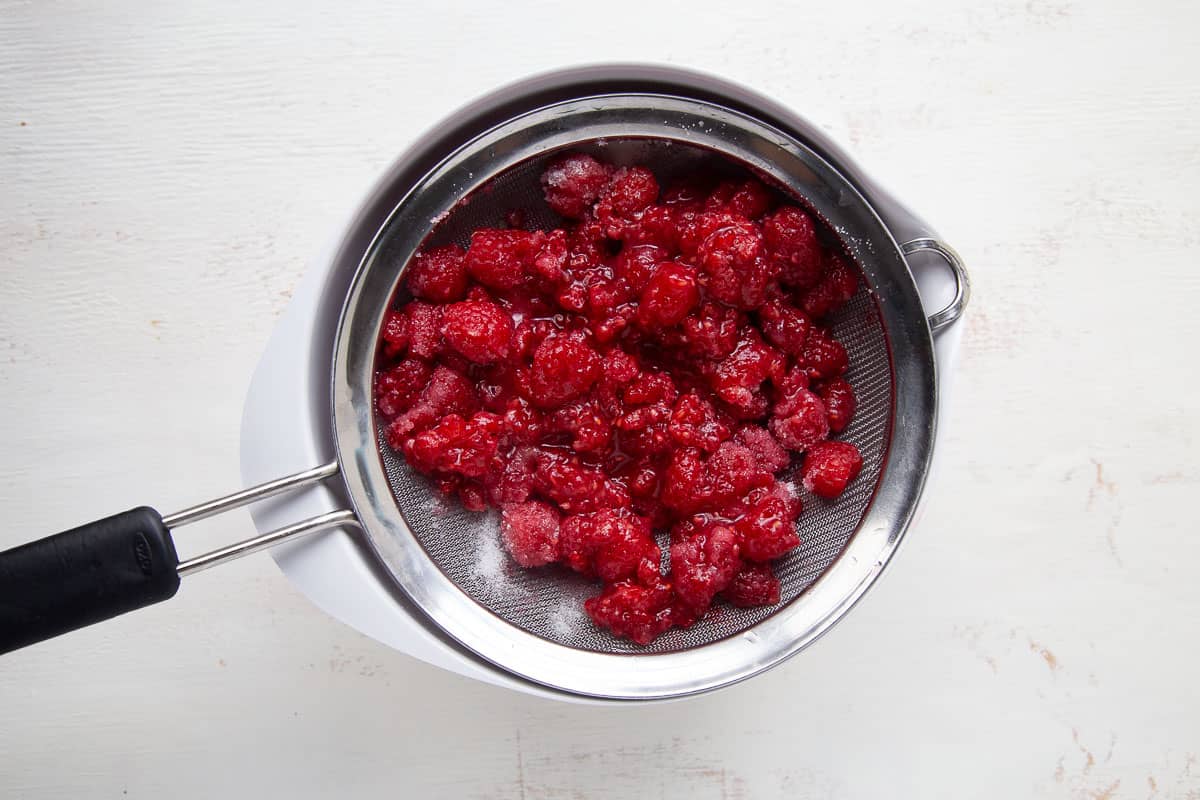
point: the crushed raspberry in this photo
(791, 241)
(498, 258)
(648, 369)
(713, 332)
(738, 378)
(588, 426)
(838, 396)
(439, 275)
(732, 259)
(610, 544)
(704, 564)
(456, 446)
(829, 466)
(785, 326)
(478, 329)
(448, 392)
(636, 264)
(768, 529)
(799, 421)
(748, 198)
(769, 453)
(754, 585)
(824, 356)
(631, 190)
(530, 531)
(396, 389)
(636, 612)
(572, 183)
(668, 296)
(576, 488)
(834, 290)
(695, 422)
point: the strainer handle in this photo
(125, 562)
(962, 282)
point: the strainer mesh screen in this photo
(548, 602)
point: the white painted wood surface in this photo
(166, 171)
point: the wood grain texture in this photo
(166, 173)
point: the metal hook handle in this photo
(962, 282)
(332, 519)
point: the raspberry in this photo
(574, 487)
(785, 326)
(636, 612)
(829, 466)
(823, 356)
(589, 428)
(686, 487)
(732, 259)
(793, 380)
(704, 564)
(395, 334)
(754, 585)
(609, 544)
(657, 225)
(523, 422)
(549, 263)
(738, 378)
(695, 423)
(631, 190)
(424, 329)
(734, 471)
(398, 388)
(498, 258)
(636, 264)
(791, 240)
(799, 421)
(838, 396)
(573, 182)
(530, 532)
(749, 198)
(478, 329)
(456, 446)
(438, 275)
(695, 229)
(514, 483)
(448, 392)
(769, 453)
(529, 334)
(712, 332)
(651, 388)
(564, 367)
(768, 529)
(668, 297)
(644, 430)
(834, 290)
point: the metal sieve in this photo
(446, 560)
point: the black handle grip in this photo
(85, 575)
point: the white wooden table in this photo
(165, 173)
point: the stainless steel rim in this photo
(790, 629)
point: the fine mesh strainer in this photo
(447, 561)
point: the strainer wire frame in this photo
(784, 161)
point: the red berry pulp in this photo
(629, 389)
